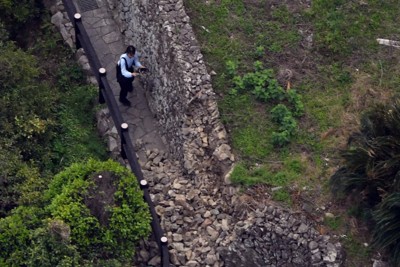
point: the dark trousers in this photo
(126, 86)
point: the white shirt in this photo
(130, 62)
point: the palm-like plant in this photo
(372, 159)
(372, 170)
(387, 228)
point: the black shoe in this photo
(125, 102)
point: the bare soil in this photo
(100, 197)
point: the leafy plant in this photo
(295, 100)
(231, 68)
(15, 234)
(51, 247)
(387, 228)
(371, 170)
(260, 83)
(102, 204)
(372, 160)
(260, 51)
(17, 14)
(265, 88)
(287, 125)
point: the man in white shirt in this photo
(127, 62)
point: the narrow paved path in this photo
(109, 44)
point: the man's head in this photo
(130, 51)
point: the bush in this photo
(287, 125)
(387, 228)
(26, 240)
(371, 161)
(51, 246)
(13, 175)
(267, 89)
(15, 235)
(371, 173)
(95, 217)
(26, 104)
(17, 15)
(103, 205)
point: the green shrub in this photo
(387, 226)
(287, 125)
(17, 14)
(14, 174)
(27, 240)
(69, 76)
(107, 215)
(51, 246)
(371, 162)
(231, 68)
(265, 88)
(15, 235)
(295, 100)
(280, 139)
(279, 112)
(371, 172)
(26, 104)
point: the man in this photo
(125, 77)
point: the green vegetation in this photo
(103, 205)
(335, 34)
(93, 215)
(43, 128)
(334, 223)
(265, 88)
(293, 80)
(358, 253)
(279, 176)
(55, 210)
(371, 170)
(17, 15)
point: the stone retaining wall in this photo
(179, 88)
(207, 222)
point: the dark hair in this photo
(130, 50)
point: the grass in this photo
(334, 223)
(336, 66)
(358, 252)
(243, 32)
(278, 175)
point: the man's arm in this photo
(137, 62)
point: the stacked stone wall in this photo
(178, 86)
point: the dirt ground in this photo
(101, 196)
